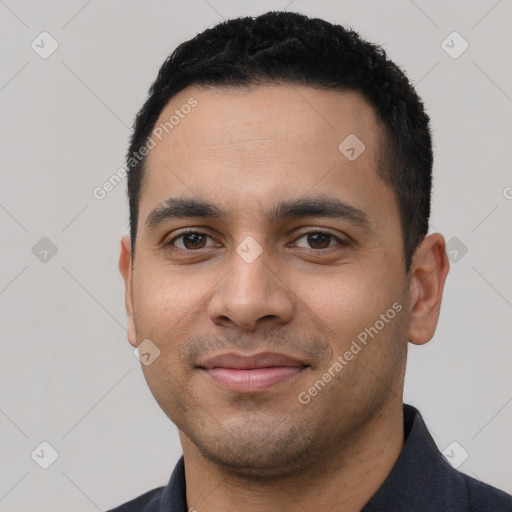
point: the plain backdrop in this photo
(68, 374)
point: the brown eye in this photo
(190, 241)
(194, 241)
(320, 240)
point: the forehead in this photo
(250, 145)
(282, 114)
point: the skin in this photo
(246, 149)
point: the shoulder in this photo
(147, 502)
(483, 497)
(171, 497)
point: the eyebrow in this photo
(184, 208)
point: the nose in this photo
(251, 296)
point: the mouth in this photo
(254, 373)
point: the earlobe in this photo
(126, 269)
(429, 269)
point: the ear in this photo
(429, 269)
(125, 267)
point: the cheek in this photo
(164, 309)
(162, 298)
(346, 303)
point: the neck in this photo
(345, 478)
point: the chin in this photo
(256, 452)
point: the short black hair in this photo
(282, 48)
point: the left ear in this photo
(429, 268)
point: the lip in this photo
(251, 373)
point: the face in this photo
(278, 301)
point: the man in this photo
(277, 266)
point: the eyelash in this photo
(341, 243)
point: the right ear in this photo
(125, 267)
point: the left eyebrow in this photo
(319, 207)
(181, 208)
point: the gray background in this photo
(68, 374)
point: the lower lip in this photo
(253, 380)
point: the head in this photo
(279, 188)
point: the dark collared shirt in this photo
(421, 481)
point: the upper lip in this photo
(248, 362)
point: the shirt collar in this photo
(421, 477)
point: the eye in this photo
(316, 240)
(320, 240)
(190, 240)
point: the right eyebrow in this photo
(180, 208)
